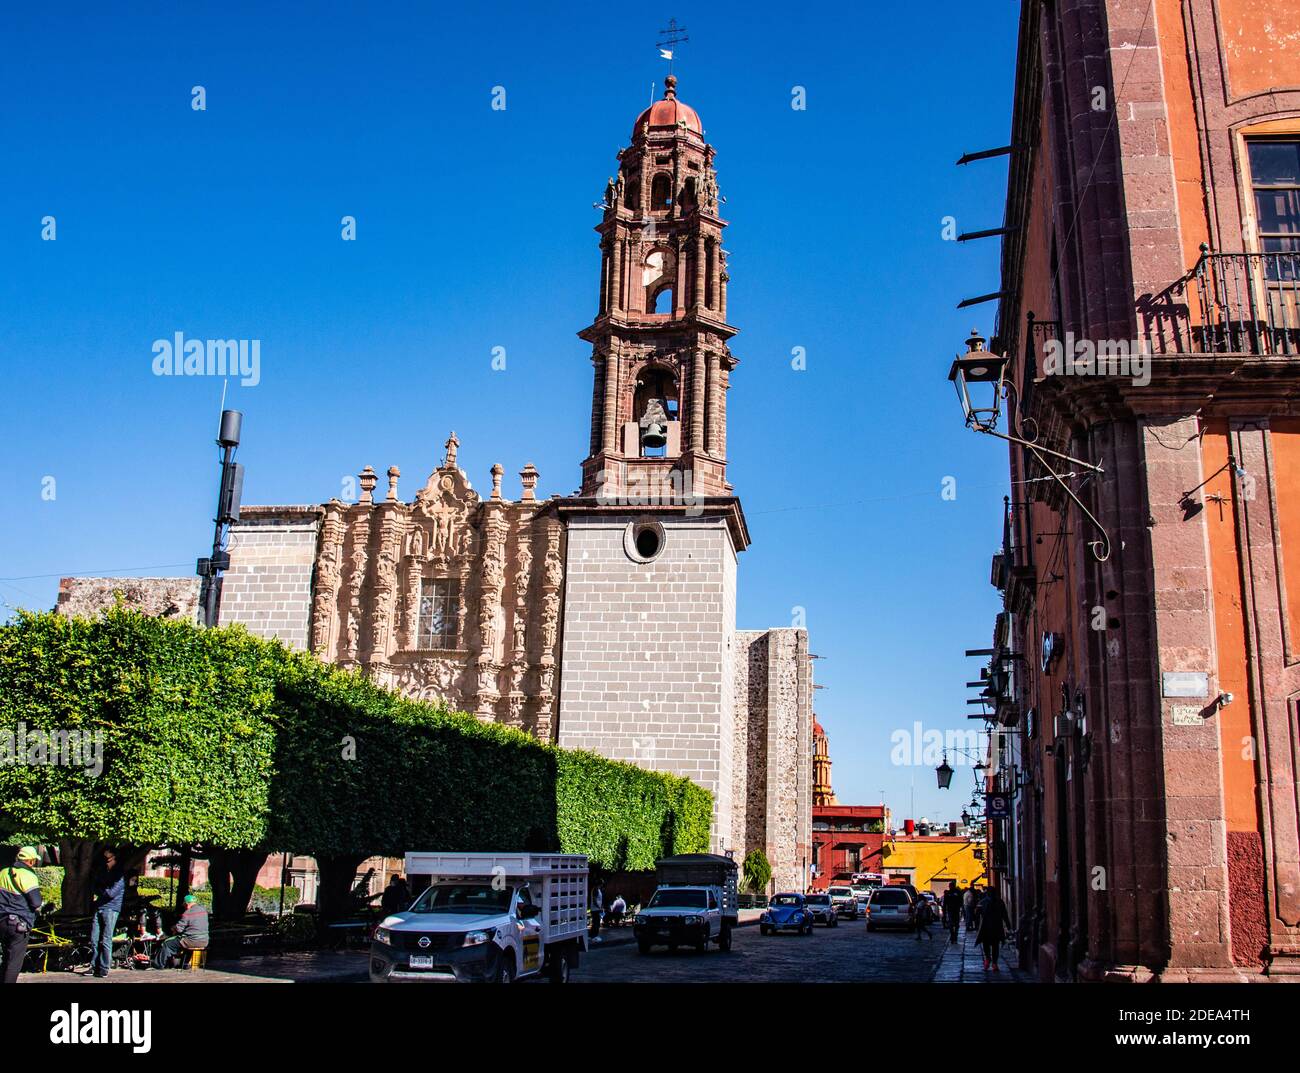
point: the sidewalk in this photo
(963, 963)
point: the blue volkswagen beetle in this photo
(786, 912)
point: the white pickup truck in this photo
(486, 917)
(695, 904)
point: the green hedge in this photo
(221, 738)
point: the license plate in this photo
(421, 961)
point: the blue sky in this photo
(474, 231)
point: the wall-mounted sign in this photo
(999, 806)
(1187, 715)
(1185, 684)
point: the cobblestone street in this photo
(844, 954)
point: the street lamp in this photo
(944, 772)
(979, 366)
(982, 367)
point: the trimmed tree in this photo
(235, 746)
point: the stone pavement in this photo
(305, 966)
(963, 963)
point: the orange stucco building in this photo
(1146, 668)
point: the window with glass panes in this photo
(439, 604)
(1275, 182)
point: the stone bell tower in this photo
(659, 341)
(649, 643)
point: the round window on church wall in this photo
(644, 540)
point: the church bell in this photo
(654, 425)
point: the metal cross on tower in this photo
(668, 37)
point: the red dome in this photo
(669, 112)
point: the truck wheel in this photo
(643, 946)
(560, 969)
(724, 939)
(504, 972)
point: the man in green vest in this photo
(20, 897)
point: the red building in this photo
(1145, 673)
(846, 839)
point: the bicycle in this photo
(47, 946)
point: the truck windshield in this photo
(685, 899)
(463, 898)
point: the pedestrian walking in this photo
(20, 898)
(108, 885)
(597, 909)
(968, 906)
(994, 923)
(190, 933)
(952, 911)
(924, 918)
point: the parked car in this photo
(846, 905)
(822, 909)
(786, 912)
(891, 907)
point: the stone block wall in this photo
(647, 671)
(772, 787)
(166, 597)
(268, 588)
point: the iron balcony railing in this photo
(1229, 303)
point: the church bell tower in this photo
(659, 340)
(647, 663)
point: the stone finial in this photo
(497, 471)
(368, 481)
(528, 478)
(452, 444)
(393, 474)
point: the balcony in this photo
(1229, 303)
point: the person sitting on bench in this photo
(191, 934)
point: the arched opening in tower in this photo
(654, 407)
(661, 192)
(658, 276)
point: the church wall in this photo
(268, 588)
(647, 658)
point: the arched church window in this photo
(661, 192)
(658, 274)
(654, 406)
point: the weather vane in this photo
(672, 35)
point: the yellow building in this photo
(933, 862)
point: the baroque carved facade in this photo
(447, 597)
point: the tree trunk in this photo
(337, 874)
(232, 875)
(78, 857)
